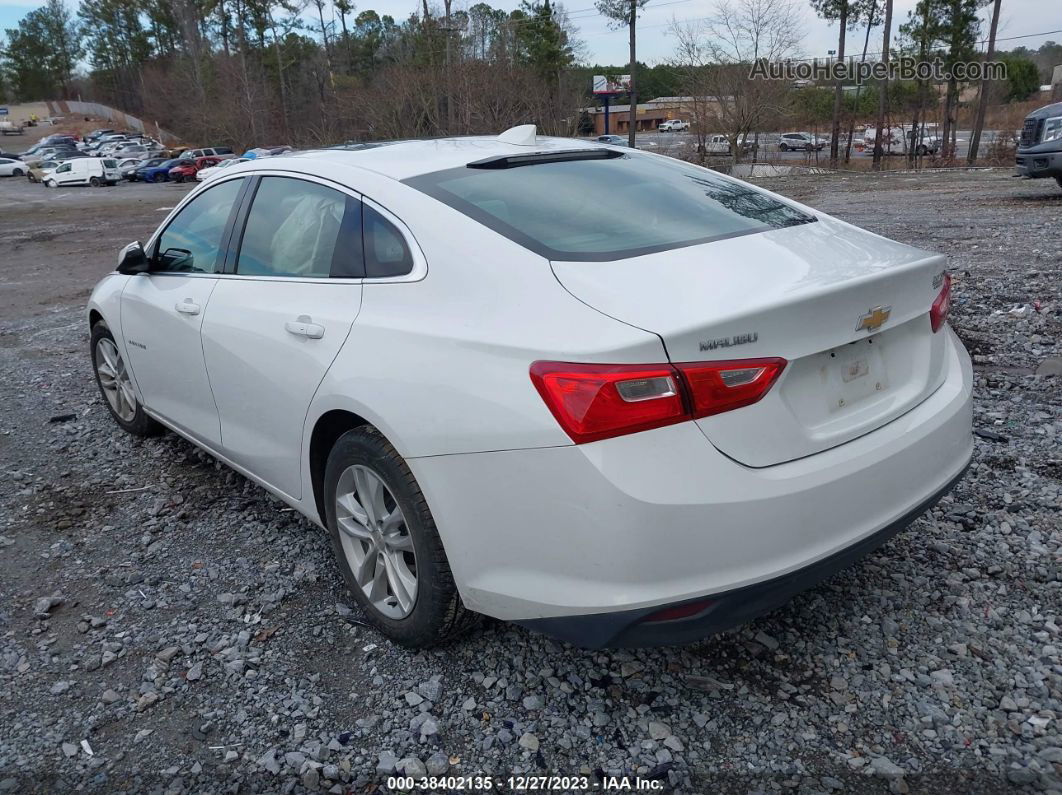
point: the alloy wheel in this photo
(376, 541)
(114, 380)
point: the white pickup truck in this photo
(10, 128)
(900, 139)
(674, 125)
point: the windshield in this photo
(607, 209)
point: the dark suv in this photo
(1040, 148)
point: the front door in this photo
(163, 311)
(273, 328)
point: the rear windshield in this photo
(595, 209)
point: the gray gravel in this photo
(167, 626)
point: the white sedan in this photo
(9, 167)
(209, 173)
(605, 394)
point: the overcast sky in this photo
(603, 45)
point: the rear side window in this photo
(386, 251)
(223, 150)
(301, 229)
(605, 209)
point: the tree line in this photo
(257, 72)
(265, 72)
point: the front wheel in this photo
(386, 543)
(50, 183)
(95, 182)
(116, 386)
(783, 147)
(179, 178)
(17, 172)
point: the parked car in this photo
(675, 451)
(84, 171)
(613, 140)
(38, 172)
(160, 172)
(52, 153)
(136, 173)
(9, 167)
(673, 125)
(800, 140)
(187, 169)
(1039, 153)
(900, 139)
(212, 171)
(220, 152)
(128, 166)
(10, 127)
(10, 155)
(720, 145)
(95, 134)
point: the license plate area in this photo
(855, 373)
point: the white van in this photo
(85, 171)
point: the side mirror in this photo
(133, 259)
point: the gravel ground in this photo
(165, 625)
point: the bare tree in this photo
(715, 58)
(982, 98)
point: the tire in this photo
(95, 182)
(17, 172)
(921, 149)
(50, 183)
(783, 148)
(434, 613)
(131, 420)
(179, 178)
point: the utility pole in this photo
(634, 68)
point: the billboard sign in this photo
(612, 84)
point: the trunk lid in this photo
(801, 293)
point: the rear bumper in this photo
(1037, 165)
(629, 628)
(583, 541)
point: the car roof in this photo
(404, 159)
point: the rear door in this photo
(163, 311)
(278, 318)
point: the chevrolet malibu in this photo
(601, 393)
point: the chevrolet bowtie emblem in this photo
(874, 319)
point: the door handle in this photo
(303, 326)
(187, 307)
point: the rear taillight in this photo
(716, 387)
(938, 313)
(596, 401)
(599, 401)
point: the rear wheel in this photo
(386, 543)
(116, 386)
(783, 147)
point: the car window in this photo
(300, 229)
(109, 164)
(386, 251)
(607, 207)
(4, 162)
(223, 150)
(192, 241)
(63, 168)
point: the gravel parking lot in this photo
(165, 625)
